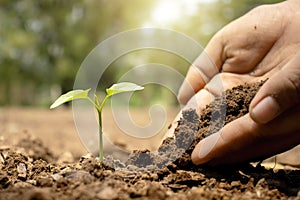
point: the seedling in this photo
(84, 94)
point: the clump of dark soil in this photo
(191, 129)
(165, 174)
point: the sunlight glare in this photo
(168, 12)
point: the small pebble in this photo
(56, 176)
(22, 171)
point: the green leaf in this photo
(123, 87)
(70, 96)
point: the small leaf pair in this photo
(84, 94)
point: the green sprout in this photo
(84, 94)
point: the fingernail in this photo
(266, 110)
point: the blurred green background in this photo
(43, 42)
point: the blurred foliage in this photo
(43, 42)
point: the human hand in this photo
(271, 127)
(261, 44)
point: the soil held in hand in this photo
(165, 174)
(231, 105)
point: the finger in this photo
(205, 96)
(279, 93)
(250, 140)
(200, 101)
(224, 81)
(259, 151)
(216, 87)
(202, 70)
(172, 126)
(278, 136)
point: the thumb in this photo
(278, 94)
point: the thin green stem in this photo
(100, 137)
(99, 109)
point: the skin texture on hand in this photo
(261, 44)
(273, 129)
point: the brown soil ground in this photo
(41, 158)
